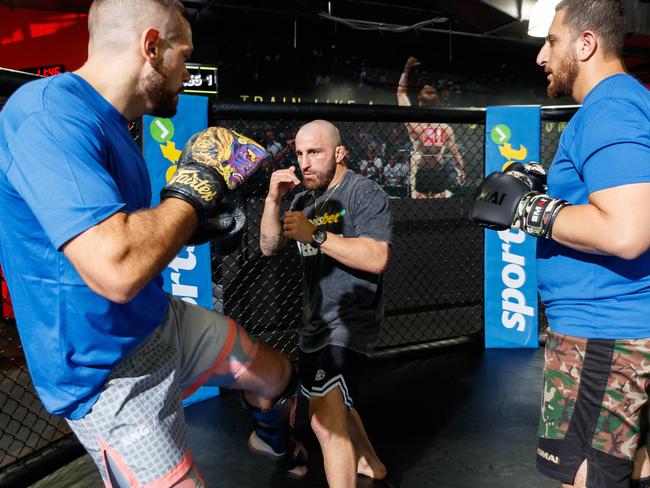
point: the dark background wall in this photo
(277, 54)
(290, 51)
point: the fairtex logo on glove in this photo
(189, 177)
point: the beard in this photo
(564, 77)
(322, 180)
(159, 98)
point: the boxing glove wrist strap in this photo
(536, 214)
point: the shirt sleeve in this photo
(59, 170)
(297, 203)
(613, 147)
(372, 215)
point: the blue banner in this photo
(189, 275)
(512, 134)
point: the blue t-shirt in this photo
(606, 144)
(67, 162)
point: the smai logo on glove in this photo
(491, 196)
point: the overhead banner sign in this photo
(189, 275)
(511, 312)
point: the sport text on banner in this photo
(512, 134)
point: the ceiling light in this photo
(541, 17)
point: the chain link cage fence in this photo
(434, 284)
(433, 287)
(430, 169)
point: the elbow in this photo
(628, 254)
(113, 279)
(630, 251)
(267, 250)
(629, 245)
(270, 241)
(120, 297)
(117, 286)
(381, 263)
(124, 291)
(381, 266)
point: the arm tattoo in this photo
(272, 243)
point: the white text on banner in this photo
(511, 312)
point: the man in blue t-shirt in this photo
(82, 253)
(593, 255)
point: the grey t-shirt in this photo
(343, 306)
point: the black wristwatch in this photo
(318, 237)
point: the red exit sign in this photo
(51, 70)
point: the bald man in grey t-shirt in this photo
(342, 227)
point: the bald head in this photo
(114, 24)
(323, 128)
(320, 154)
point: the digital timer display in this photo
(203, 79)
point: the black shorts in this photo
(328, 368)
(432, 180)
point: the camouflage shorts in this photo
(593, 398)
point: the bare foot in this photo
(377, 472)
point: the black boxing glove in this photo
(224, 229)
(534, 172)
(514, 199)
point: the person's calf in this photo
(368, 463)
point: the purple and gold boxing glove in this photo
(213, 162)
